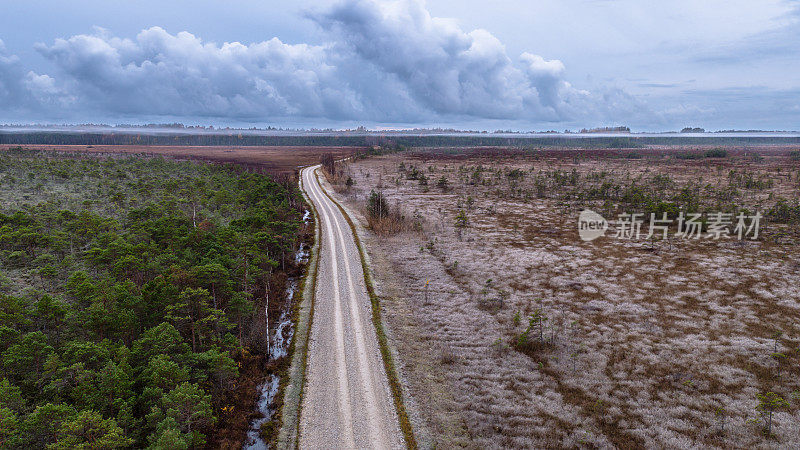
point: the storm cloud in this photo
(21, 90)
(382, 61)
(553, 64)
(445, 69)
(161, 73)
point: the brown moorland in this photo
(270, 159)
(512, 332)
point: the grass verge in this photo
(383, 341)
(288, 436)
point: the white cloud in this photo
(9, 77)
(384, 62)
(161, 73)
(395, 62)
(445, 69)
(21, 91)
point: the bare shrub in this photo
(382, 219)
(447, 356)
(328, 164)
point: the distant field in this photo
(245, 138)
(512, 332)
(271, 159)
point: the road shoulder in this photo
(288, 436)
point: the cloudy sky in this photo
(518, 64)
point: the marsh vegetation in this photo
(513, 332)
(132, 298)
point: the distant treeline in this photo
(214, 139)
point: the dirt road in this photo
(346, 402)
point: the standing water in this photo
(268, 391)
(279, 347)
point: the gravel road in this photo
(346, 402)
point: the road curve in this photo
(347, 402)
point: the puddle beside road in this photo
(279, 340)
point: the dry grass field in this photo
(512, 332)
(276, 160)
